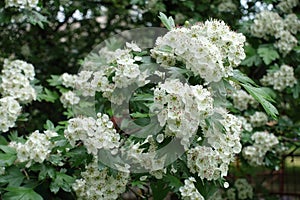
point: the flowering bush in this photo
(151, 112)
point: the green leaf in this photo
(3, 141)
(7, 149)
(143, 97)
(49, 125)
(252, 59)
(55, 80)
(34, 18)
(8, 157)
(159, 189)
(268, 54)
(168, 22)
(78, 156)
(242, 78)
(21, 193)
(139, 115)
(13, 176)
(296, 91)
(48, 95)
(46, 171)
(174, 182)
(262, 96)
(62, 181)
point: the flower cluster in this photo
(263, 142)
(99, 184)
(286, 6)
(69, 99)
(16, 77)
(258, 119)
(280, 79)
(21, 3)
(268, 23)
(227, 6)
(142, 158)
(212, 162)
(9, 112)
(181, 107)
(118, 71)
(241, 100)
(95, 134)
(209, 50)
(37, 147)
(245, 124)
(189, 191)
(286, 41)
(245, 190)
(292, 23)
(242, 190)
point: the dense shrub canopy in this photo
(219, 89)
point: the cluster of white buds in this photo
(189, 191)
(209, 50)
(21, 3)
(263, 142)
(99, 184)
(16, 77)
(280, 79)
(36, 148)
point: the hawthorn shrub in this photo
(146, 99)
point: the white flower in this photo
(210, 50)
(98, 184)
(94, 133)
(9, 112)
(21, 3)
(189, 191)
(280, 79)
(16, 77)
(69, 98)
(133, 46)
(37, 147)
(258, 119)
(241, 100)
(244, 189)
(263, 142)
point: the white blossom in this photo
(16, 78)
(99, 184)
(263, 142)
(94, 133)
(189, 191)
(280, 79)
(209, 50)
(258, 119)
(36, 148)
(21, 3)
(9, 112)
